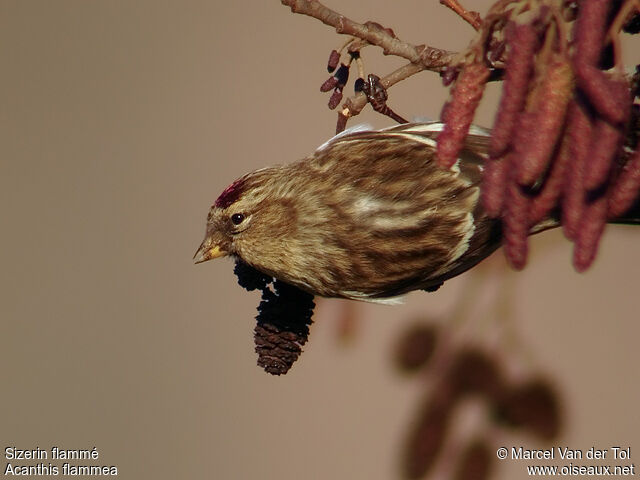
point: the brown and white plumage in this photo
(368, 216)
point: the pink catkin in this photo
(516, 225)
(334, 60)
(594, 220)
(607, 137)
(335, 98)
(540, 133)
(329, 84)
(626, 188)
(579, 131)
(589, 30)
(610, 97)
(547, 198)
(523, 42)
(444, 113)
(603, 150)
(467, 93)
(494, 182)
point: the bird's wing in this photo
(405, 219)
(471, 158)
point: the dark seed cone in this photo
(475, 372)
(534, 407)
(277, 349)
(284, 316)
(476, 463)
(249, 278)
(416, 347)
(428, 437)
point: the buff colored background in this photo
(120, 122)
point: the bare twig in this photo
(472, 18)
(430, 58)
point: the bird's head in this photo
(250, 219)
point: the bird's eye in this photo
(237, 218)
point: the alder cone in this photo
(534, 407)
(476, 462)
(416, 347)
(428, 436)
(474, 371)
(277, 349)
(283, 327)
(284, 316)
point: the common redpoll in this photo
(368, 216)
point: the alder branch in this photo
(472, 18)
(430, 58)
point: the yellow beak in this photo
(207, 252)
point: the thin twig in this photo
(430, 58)
(472, 18)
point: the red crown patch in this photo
(230, 194)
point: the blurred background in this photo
(120, 123)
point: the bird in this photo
(369, 216)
